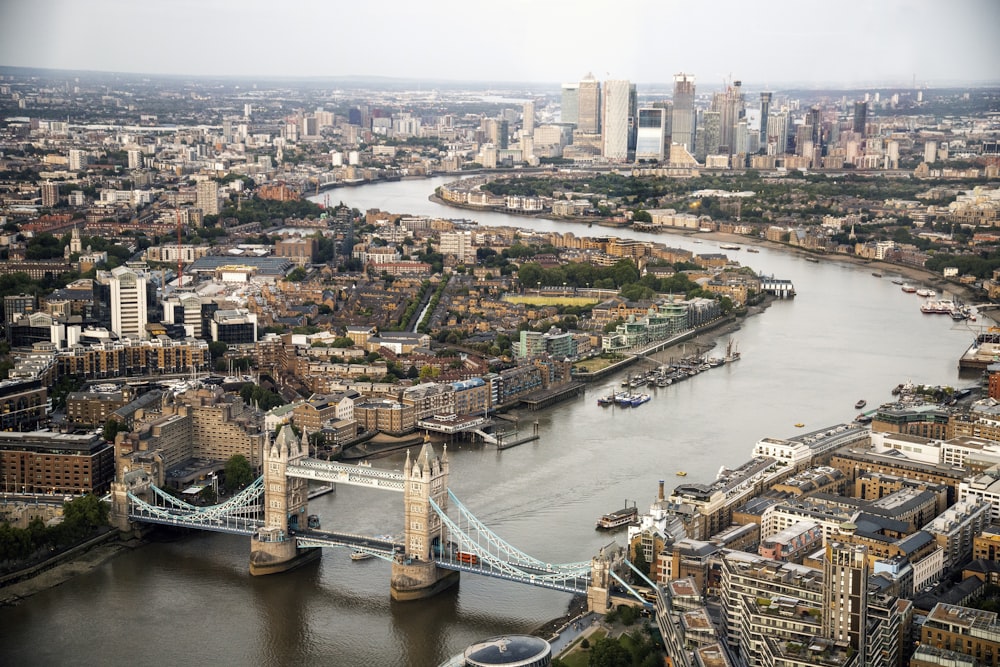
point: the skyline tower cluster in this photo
(607, 120)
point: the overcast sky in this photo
(762, 42)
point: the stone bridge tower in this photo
(601, 566)
(414, 574)
(286, 499)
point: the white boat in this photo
(923, 291)
(360, 555)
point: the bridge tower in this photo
(286, 500)
(414, 575)
(601, 566)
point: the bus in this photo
(466, 557)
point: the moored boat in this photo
(909, 289)
(609, 399)
(860, 404)
(799, 425)
(681, 473)
(752, 250)
(618, 518)
(639, 399)
(728, 246)
(923, 291)
(876, 274)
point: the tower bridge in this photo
(441, 537)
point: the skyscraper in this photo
(615, 119)
(860, 116)
(589, 105)
(569, 111)
(683, 118)
(845, 594)
(777, 133)
(651, 134)
(710, 136)
(528, 124)
(730, 107)
(128, 303)
(765, 110)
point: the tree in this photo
(112, 427)
(238, 472)
(640, 560)
(607, 652)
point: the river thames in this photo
(848, 335)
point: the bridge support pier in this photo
(418, 580)
(281, 556)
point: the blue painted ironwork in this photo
(240, 515)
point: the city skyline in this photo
(857, 44)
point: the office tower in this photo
(528, 124)
(247, 110)
(128, 303)
(845, 594)
(777, 133)
(569, 111)
(50, 194)
(651, 134)
(710, 135)
(208, 197)
(227, 130)
(503, 134)
(589, 105)
(765, 110)
(615, 119)
(682, 123)
(860, 117)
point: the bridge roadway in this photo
(528, 575)
(380, 547)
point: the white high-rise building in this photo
(128, 303)
(930, 152)
(78, 159)
(134, 158)
(777, 133)
(615, 119)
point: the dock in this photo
(985, 350)
(546, 397)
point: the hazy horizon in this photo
(855, 44)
